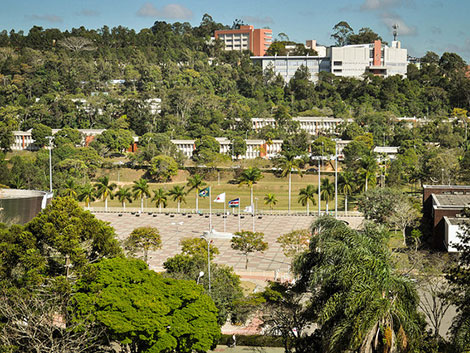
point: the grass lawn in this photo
(269, 184)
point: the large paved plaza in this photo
(175, 227)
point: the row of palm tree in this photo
(105, 190)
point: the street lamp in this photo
(200, 276)
(50, 162)
(206, 237)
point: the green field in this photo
(269, 184)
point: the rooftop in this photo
(452, 200)
(455, 221)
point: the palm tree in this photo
(87, 194)
(124, 194)
(327, 191)
(105, 189)
(270, 200)
(141, 190)
(346, 187)
(70, 189)
(196, 183)
(250, 177)
(306, 195)
(368, 168)
(178, 194)
(287, 163)
(160, 198)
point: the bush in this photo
(252, 340)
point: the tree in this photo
(63, 232)
(346, 186)
(68, 135)
(339, 265)
(249, 177)
(287, 163)
(341, 32)
(197, 183)
(207, 149)
(198, 247)
(403, 215)
(307, 195)
(160, 197)
(114, 140)
(238, 147)
(105, 189)
(145, 239)
(141, 190)
(178, 194)
(87, 194)
(364, 36)
(144, 311)
(295, 242)
(163, 168)
(378, 204)
(70, 189)
(123, 195)
(247, 242)
(77, 44)
(368, 168)
(40, 133)
(327, 191)
(270, 200)
(38, 321)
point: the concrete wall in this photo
(20, 206)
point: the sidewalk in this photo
(245, 349)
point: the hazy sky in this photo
(424, 25)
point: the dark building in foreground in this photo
(20, 206)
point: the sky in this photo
(424, 25)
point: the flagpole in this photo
(253, 211)
(210, 210)
(239, 206)
(225, 216)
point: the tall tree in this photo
(141, 191)
(249, 177)
(160, 197)
(105, 189)
(339, 264)
(87, 194)
(307, 195)
(197, 183)
(270, 200)
(327, 191)
(124, 194)
(346, 186)
(178, 194)
(341, 32)
(288, 163)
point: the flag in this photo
(220, 198)
(234, 203)
(204, 192)
(248, 209)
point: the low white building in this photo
(313, 125)
(454, 226)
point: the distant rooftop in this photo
(457, 221)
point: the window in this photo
(337, 63)
(337, 70)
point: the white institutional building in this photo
(346, 61)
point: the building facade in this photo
(313, 125)
(346, 61)
(246, 38)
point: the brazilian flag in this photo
(204, 192)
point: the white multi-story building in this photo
(313, 125)
(347, 61)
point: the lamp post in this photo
(199, 277)
(206, 237)
(50, 162)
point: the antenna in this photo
(395, 31)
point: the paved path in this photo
(173, 228)
(245, 349)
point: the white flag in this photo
(220, 198)
(248, 209)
